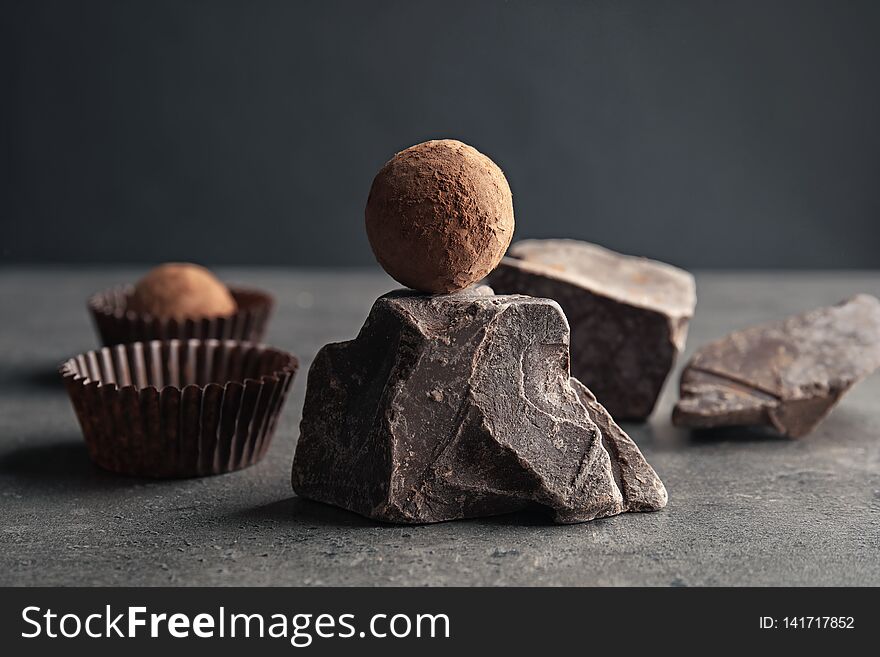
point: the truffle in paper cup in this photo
(116, 324)
(179, 408)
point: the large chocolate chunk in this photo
(628, 315)
(787, 375)
(460, 406)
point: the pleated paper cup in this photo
(116, 324)
(179, 408)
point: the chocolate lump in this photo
(628, 315)
(460, 406)
(787, 375)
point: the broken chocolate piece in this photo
(461, 406)
(636, 479)
(628, 315)
(788, 374)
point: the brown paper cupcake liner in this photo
(118, 325)
(179, 408)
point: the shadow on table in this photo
(41, 376)
(668, 437)
(699, 437)
(845, 425)
(62, 464)
(316, 514)
(45, 375)
(306, 512)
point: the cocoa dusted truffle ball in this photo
(439, 216)
(178, 290)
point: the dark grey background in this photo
(736, 134)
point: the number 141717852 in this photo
(818, 622)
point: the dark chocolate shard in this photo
(460, 406)
(639, 484)
(787, 375)
(628, 315)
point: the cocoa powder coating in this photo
(439, 216)
(181, 291)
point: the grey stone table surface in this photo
(745, 508)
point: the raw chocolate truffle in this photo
(439, 216)
(181, 291)
(628, 315)
(458, 406)
(787, 375)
